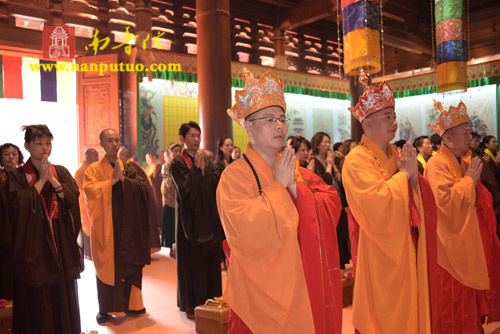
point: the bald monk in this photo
(396, 247)
(117, 197)
(280, 224)
(461, 256)
(91, 156)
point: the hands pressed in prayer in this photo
(474, 169)
(199, 159)
(330, 158)
(408, 164)
(45, 173)
(49, 176)
(45, 170)
(117, 173)
(284, 170)
(486, 158)
(312, 165)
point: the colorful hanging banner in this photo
(361, 28)
(48, 82)
(12, 76)
(451, 45)
(34, 79)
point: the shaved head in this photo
(91, 155)
(105, 132)
(124, 154)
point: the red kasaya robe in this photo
(318, 206)
(489, 299)
(430, 231)
(462, 268)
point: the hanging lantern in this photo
(451, 45)
(361, 25)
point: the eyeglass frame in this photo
(282, 120)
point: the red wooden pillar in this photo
(214, 70)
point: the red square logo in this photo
(58, 42)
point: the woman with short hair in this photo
(44, 213)
(302, 148)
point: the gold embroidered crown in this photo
(449, 119)
(373, 99)
(258, 94)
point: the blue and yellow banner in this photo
(361, 28)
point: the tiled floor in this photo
(160, 293)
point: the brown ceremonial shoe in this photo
(101, 317)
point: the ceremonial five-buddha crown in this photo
(449, 119)
(258, 94)
(373, 99)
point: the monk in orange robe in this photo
(91, 156)
(395, 250)
(461, 257)
(117, 197)
(284, 268)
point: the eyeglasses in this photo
(193, 136)
(272, 120)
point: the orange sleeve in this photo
(266, 285)
(380, 206)
(460, 248)
(98, 191)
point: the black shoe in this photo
(190, 315)
(136, 312)
(101, 317)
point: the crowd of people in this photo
(419, 221)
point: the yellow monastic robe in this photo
(459, 244)
(391, 292)
(421, 159)
(79, 175)
(266, 285)
(98, 191)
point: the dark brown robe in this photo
(154, 236)
(199, 234)
(5, 246)
(45, 268)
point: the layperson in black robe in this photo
(324, 167)
(119, 229)
(199, 230)
(44, 214)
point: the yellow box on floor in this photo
(212, 318)
(6, 318)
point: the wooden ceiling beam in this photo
(307, 12)
(279, 3)
(408, 43)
